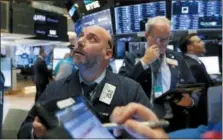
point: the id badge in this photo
(158, 91)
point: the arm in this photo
(25, 131)
(133, 69)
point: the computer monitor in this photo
(134, 46)
(196, 14)
(72, 10)
(128, 18)
(137, 48)
(120, 48)
(102, 18)
(36, 51)
(211, 64)
(118, 64)
(59, 53)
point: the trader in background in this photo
(41, 74)
(102, 88)
(159, 70)
(192, 48)
(66, 66)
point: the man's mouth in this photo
(78, 52)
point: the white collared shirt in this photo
(166, 75)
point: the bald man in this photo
(91, 55)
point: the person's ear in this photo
(190, 47)
(108, 54)
(146, 34)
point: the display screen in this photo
(6, 69)
(120, 48)
(211, 64)
(128, 18)
(80, 122)
(50, 25)
(102, 18)
(59, 53)
(72, 10)
(36, 51)
(25, 56)
(196, 14)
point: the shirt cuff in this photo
(32, 136)
(145, 66)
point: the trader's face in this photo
(198, 46)
(160, 35)
(92, 47)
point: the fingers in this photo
(121, 114)
(116, 113)
(39, 129)
(137, 130)
(186, 100)
(140, 131)
(117, 132)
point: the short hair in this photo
(153, 21)
(185, 41)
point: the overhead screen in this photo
(196, 14)
(102, 18)
(128, 18)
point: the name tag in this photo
(157, 91)
(172, 62)
(65, 103)
(107, 93)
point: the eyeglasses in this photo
(160, 39)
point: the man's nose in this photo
(80, 43)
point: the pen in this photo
(161, 123)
